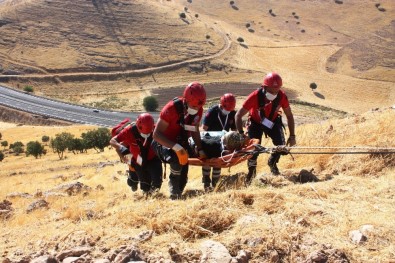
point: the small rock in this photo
(214, 252)
(44, 259)
(36, 205)
(243, 256)
(317, 257)
(357, 237)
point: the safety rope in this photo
(355, 150)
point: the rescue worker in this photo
(220, 117)
(179, 119)
(263, 106)
(138, 136)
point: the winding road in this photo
(61, 110)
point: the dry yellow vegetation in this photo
(286, 217)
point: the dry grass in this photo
(290, 218)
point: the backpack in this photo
(125, 123)
(120, 126)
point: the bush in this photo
(150, 103)
(196, 15)
(248, 25)
(45, 139)
(240, 39)
(183, 15)
(207, 37)
(1, 156)
(4, 144)
(97, 139)
(34, 148)
(61, 142)
(28, 89)
(1, 135)
(313, 86)
(232, 2)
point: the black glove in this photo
(124, 150)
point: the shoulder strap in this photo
(180, 108)
(179, 104)
(275, 104)
(261, 97)
(261, 103)
(143, 150)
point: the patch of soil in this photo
(214, 90)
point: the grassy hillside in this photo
(276, 219)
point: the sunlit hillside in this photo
(277, 219)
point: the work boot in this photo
(175, 196)
(272, 162)
(207, 183)
(274, 169)
(250, 175)
(134, 187)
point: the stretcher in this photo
(229, 160)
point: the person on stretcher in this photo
(218, 144)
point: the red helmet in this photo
(195, 94)
(273, 80)
(228, 101)
(145, 123)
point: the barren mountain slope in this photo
(98, 35)
(343, 48)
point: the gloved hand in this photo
(291, 140)
(124, 150)
(181, 154)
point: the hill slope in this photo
(276, 219)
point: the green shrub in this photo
(232, 2)
(240, 39)
(28, 89)
(4, 144)
(183, 15)
(150, 103)
(35, 149)
(1, 156)
(45, 139)
(313, 85)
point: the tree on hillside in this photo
(45, 139)
(61, 143)
(17, 147)
(150, 103)
(35, 149)
(1, 135)
(1, 156)
(97, 139)
(77, 145)
(4, 144)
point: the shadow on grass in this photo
(319, 95)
